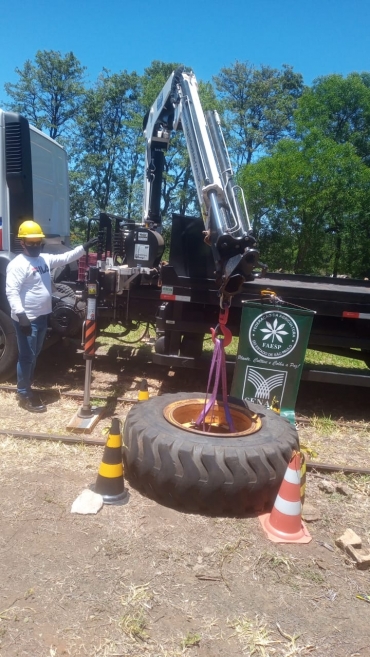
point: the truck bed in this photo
(327, 296)
(341, 305)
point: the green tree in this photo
(49, 91)
(106, 159)
(340, 108)
(154, 78)
(179, 192)
(309, 201)
(178, 189)
(259, 105)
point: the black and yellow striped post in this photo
(88, 340)
(110, 483)
(143, 391)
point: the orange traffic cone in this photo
(109, 482)
(303, 478)
(143, 391)
(284, 523)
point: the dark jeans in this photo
(29, 347)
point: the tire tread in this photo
(203, 473)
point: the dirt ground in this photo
(140, 579)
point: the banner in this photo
(272, 347)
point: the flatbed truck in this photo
(213, 258)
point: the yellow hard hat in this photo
(30, 230)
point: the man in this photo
(28, 289)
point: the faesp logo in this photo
(273, 334)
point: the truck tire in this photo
(204, 473)
(8, 347)
(67, 315)
(64, 290)
(192, 345)
(162, 345)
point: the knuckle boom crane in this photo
(227, 227)
(215, 253)
(212, 257)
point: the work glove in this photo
(24, 324)
(90, 243)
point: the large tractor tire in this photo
(200, 472)
(8, 347)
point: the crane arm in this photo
(227, 226)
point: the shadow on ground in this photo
(333, 400)
(119, 372)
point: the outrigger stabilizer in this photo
(87, 416)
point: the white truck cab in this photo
(33, 185)
(33, 181)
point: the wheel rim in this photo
(183, 414)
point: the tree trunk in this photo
(337, 252)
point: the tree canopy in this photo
(308, 200)
(302, 154)
(310, 197)
(104, 163)
(49, 91)
(258, 106)
(340, 108)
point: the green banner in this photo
(272, 347)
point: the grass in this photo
(190, 640)
(359, 483)
(144, 336)
(311, 575)
(323, 425)
(149, 616)
(141, 336)
(29, 454)
(134, 625)
(332, 360)
(253, 635)
(259, 640)
(228, 550)
(280, 567)
(134, 622)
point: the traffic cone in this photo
(109, 482)
(143, 391)
(303, 478)
(284, 523)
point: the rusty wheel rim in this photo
(183, 414)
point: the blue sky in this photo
(316, 37)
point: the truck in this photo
(33, 185)
(212, 263)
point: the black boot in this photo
(32, 404)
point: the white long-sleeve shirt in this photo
(28, 282)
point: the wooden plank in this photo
(76, 395)
(86, 424)
(72, 440)
(328, 467)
